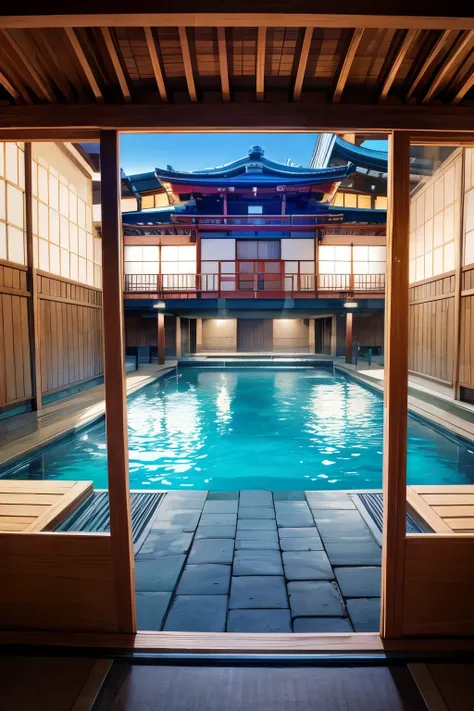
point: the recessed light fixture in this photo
(159, 305)
(350, 304)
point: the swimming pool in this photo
(255, 428)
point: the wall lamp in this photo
(350, 304)
(159, 305)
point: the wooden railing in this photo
(279, 220)
(252, 282)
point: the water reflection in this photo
(249, 428)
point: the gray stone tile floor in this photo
(253, 561)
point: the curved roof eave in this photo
(271, 175)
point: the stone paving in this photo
(256, 561)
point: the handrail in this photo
(279, 220)
(253, 282)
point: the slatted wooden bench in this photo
(447, 509)
(27, 506)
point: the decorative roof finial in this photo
(256, 152)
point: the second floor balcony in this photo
(254, 285)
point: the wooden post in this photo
(32, 281)
(312, 336)
(198, 335)
(396, 386)
(161, 339)
(198, 262)
(179, 342)
(459, 242)
(115, 387)
(334, 334)
(349, 337)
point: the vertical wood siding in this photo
(466, 348)
(15, 374)
(70, 324)
(431, 328)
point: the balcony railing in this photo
(251, 283)
(260, 220)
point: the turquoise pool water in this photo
(261, 428)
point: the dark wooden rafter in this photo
(347, 64)
(188, 66)
(44, 89)
(155, 62)
(114, 56)
(51, 52)
(302, 63)
(462, 85)
(410, 37)
(84, 62)
(446, 72)
(8, 86)
(223, 63)
(429, 61)
(260, 63)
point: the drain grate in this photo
(374, 506)
(93, 515)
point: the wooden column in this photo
(349, 337)
(198, 335)
(32, 281)
(459, 244)
(334, 335)
(312, 336)
(198, 262)
(115, 386)
(161, 339)
(179, 340)
(396, 386)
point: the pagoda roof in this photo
(256, 170)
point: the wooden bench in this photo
(446, 508)
(27, 506)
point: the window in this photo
(258, 249)
(255, 210)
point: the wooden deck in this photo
(447, 509)
(28, 506)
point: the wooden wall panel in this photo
(369, 330)
(431, 328)
(71, 335)
(466, 348)
(57, 581)
(15, 374)
(439, 585)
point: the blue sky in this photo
(192, 151)
(140, 153)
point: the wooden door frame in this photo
(395, 437)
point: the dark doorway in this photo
(254, 335)
(323, 335)
(192, 335)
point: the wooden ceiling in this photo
(148, 60)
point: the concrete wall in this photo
(219, 334)
(291, 335)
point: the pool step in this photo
(370, 506)
(93, 515)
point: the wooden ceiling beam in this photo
(188, 67)
(48, 51)
(155, 62)
(112, 50)
(302, 63)
(311, 116)
(465, 86)
(260, 63)
(435, 51)
(446, 72)
(215, 18)
(410, 37)
(84, 62)
(8, 86)
(38, 79)
(347, 64)
(223, 63)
